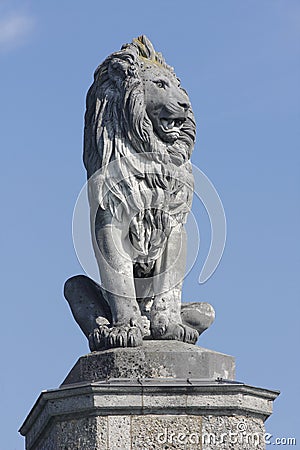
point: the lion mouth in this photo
(172, 125)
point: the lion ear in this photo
(118, 70)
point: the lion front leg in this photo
(166, 322)
(127, 327)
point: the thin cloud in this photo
(14, 30)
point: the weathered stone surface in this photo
(155, 432)
(73, 434)
(166, 432)
(155, 359)
(119, 432)
(233, 432)
(149, 414)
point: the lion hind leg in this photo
(87, 303)
(197, 315)
(167, 326)
(92, 313)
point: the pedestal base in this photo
(163, 395)
(150, 414)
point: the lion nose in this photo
(184, 105)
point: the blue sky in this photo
(240, 63)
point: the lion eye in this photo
(160, 83)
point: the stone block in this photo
(155, 359)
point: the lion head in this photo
(137, 98)
(166, 104)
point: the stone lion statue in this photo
(138, 138)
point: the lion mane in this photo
(155, 180)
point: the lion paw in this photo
(190, 334)
(105, 337)
(174, 331)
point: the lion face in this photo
(166, 103)
(136, 105)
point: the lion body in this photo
(139, 135)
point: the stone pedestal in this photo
(169, 410)
(155, 359)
